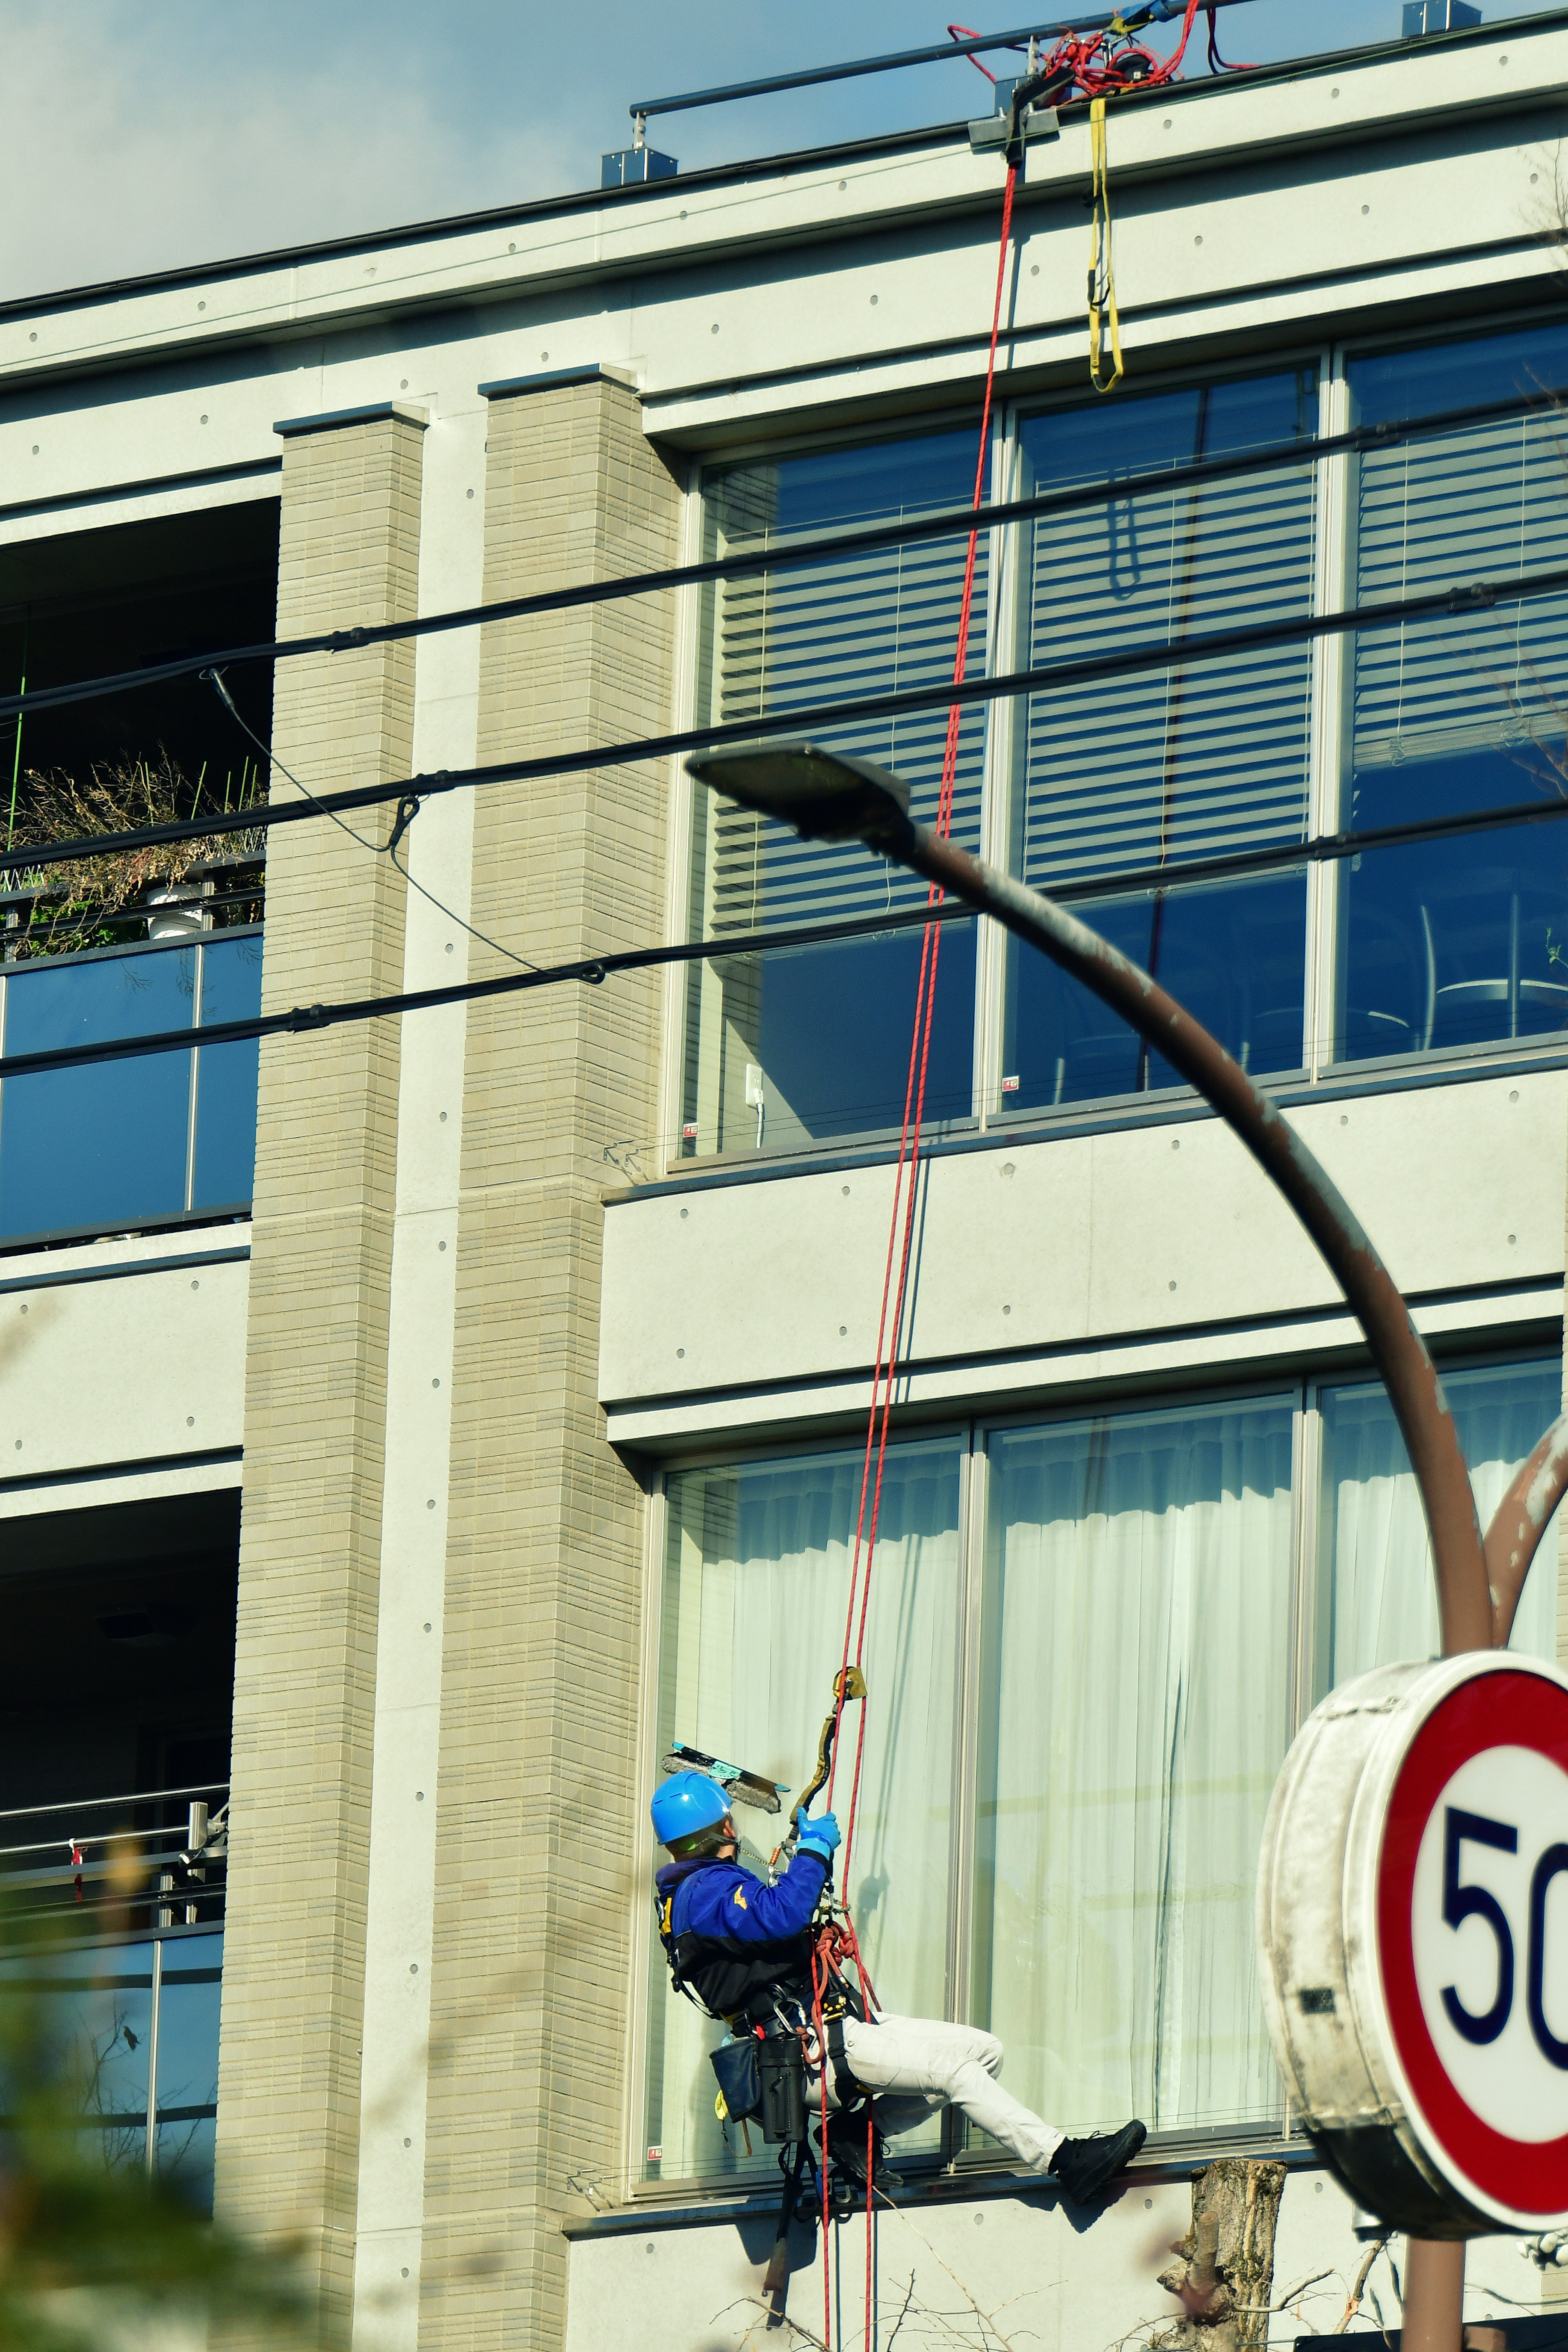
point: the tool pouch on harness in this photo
(739, 2077)
(781, 2067)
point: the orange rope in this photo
(837, 1945)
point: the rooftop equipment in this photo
(639, 162)
(630, 165)
(1423, 16)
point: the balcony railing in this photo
(113, 1921)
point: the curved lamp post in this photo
(829, 797)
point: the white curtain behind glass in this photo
(1380, 1594)
(756, 1586)
(1133, 1719)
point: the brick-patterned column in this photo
(316, 1370)
(534, 1849)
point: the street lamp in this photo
(827, 796)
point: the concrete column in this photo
(404, 1794)
(316, 1371)
(534, 1847)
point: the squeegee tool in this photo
(745, 1787)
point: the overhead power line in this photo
(824, 547)
(1215, 645)
(593, 970)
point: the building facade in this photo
(509, 1427)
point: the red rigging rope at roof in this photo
(1103, 64)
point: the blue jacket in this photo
(722, 1902)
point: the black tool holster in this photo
(780, 2064)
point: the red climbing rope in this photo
(1096, 65)
(838, 1947)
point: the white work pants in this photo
(924, 2063)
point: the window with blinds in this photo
(1456, 943)
(1487, 502)
(833, 632)
(790, 1048)
(1154, 771)
(1150, 769)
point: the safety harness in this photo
(765, 1993)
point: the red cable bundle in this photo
(1100, 64)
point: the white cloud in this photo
(146, 134)
(135, 141)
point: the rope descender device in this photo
(850, 1683)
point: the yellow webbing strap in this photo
(1101, 265)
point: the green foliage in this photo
(94, 2255)
(89, 902)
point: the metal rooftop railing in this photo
(1159, 11)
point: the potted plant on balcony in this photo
(95, 901)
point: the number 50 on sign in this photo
(1413, 1932)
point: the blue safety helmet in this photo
(685, 1805)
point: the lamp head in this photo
(826, 795)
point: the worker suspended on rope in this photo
(744, 1952)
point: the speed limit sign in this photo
(1413, 1935)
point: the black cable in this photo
(407, 810)
(1322, 848)
(1217, 645)
(958, 524)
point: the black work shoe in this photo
(1084, 2166)
(847, 2154)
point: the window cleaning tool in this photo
(745, 1788)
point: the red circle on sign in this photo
(1508, 1709)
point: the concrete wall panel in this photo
(144, 1368)
(1047, 1243)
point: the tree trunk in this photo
(1224, 2275)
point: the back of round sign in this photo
(1413, 1937)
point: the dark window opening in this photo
(117, 1673)
(90, 602)
(116, 1701)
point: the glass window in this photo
(98, 2017)
(1377, 1596)
(788, 1050)
(91, 2013)
(189, 2001)
(224, 1158)
(1135, 775)
(1457, 943)
(108, 1143)
(115, 1142)
(1135, 1582)
(755, 1586)
(1133, 1716)
(1110, 793)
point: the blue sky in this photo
(141, 134)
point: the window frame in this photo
(1298, 1386)
(1335, 555)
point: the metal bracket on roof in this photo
(991, 135)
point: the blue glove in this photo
(820, 1837)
